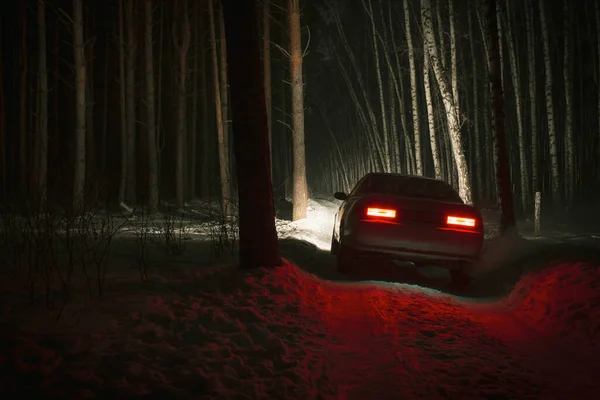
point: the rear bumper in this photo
(417, 243)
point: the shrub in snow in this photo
(174, 232)
(223, 229)
(49, 252)
(143, 230)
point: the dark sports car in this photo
(408, 218)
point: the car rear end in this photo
(412, 229)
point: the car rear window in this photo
(409, 186)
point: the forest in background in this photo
(151, 79)
(372, 55)
(372, 100)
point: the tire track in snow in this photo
(363, 365)
(570, 372)
(405, 344)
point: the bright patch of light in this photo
(316, 228)
(381, 212)
(452, 220)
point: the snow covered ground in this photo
(199, 328)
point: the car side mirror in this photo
(340, 196)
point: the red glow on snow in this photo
(284, 333)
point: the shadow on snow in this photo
(502, 264)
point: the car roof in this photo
(406, 176)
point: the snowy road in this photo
(410, 348)
(408, 345)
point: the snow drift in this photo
(562, 301)
(220, 333)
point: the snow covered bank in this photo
(561, 301)
(222, 333)
(219, 334)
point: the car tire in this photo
(344, 260)
(335, 244)
(459, 277)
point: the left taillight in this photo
(460, 222)
(381, 213)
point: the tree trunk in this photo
(437, 167)
(555, 178)
(91, 180)
(490, 150)
(105, 120)
(150, 112)
(159, 143)
(504, 188)
(123, 104)
(370, 119)
(23, 110)
(452, 170)
(369, 124)
(441, 33)
(597, 12)
(479, 168)
(393, 129)
(300, 203)
(181, 40)
(223, 151)
(453, 64)
(567, 72)
(205, 164)
(414, 91)
(531, 70)
(266, 20)
(502, 74)
(225, 100)
(410, 154)
(80, 85)
(464, 181)
(393, 139)
(3, 154)
(194, 131)
(56, 101)
(379, 79)
(258, 245)
(42, 132)
(287, 133)
(516, 79)
(130, 186)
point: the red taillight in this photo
(381, 212)
(460, 221)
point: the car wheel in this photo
(335, 244)
(459, 277)
(344, 260)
